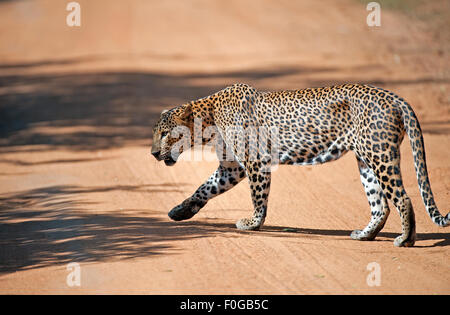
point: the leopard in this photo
(313, 126)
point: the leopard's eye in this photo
(163, 134)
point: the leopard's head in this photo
(169, 134)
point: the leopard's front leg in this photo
(227, 175)
(259, 179)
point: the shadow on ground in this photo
(443, 239)
(50, 226)
(101, 110)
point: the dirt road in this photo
(78, 184)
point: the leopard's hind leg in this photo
(392, 184)
(390, 179)
(377, 201)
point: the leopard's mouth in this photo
(169, 161)
(167, 158)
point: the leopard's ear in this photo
(183, 114)
(164, 111)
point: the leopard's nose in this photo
(156, 154)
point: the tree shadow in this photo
(18, 162)
(436, 127)
(51, 226)
(86, 111)
(378, 82)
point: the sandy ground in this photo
(78, 184)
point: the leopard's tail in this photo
(412, 128)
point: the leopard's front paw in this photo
(185, 210)
(362, 235)
(249, 224)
